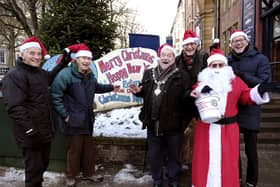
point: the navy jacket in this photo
(253, 68)
(73, 95)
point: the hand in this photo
(66, 58)
(117, 88)
(269, 87)
(66, 119)
(195, 94)
(206, 89)
(134, 89)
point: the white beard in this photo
(220, 83)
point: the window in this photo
(2, 56)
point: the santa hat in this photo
(216, 54)
(80, 50)
(236, 33)
(165, 47)
(189, 37)
(34, 42)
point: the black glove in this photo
(66, 58)
(269, 87)
(206, 89)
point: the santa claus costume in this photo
(216, 145)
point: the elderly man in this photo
(26, 92)
(73, 92)
(253, 68)
(164, 90)
(216, 141)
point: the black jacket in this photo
(27, 99)
(173, 107)
(253, 68)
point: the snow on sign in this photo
(122, 67)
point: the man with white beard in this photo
(216, 144)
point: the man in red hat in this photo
(164, 90)
(216, 137)
(26, 92)
(73, 93)
(191, 60)
(253, 68)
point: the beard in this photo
(218, 79)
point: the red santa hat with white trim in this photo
(236, 33)
(164, 47)
(189, 37)
(216, 54)
(34, 42)
(80, 50)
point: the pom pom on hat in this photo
(80, 50)
(189, 37)
(216, 54)
(34, 42)
(164, 47)
(236, 33)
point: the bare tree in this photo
(126, 20)
(18, 18)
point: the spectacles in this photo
(236, 41)
(217, 65)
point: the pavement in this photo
(269, 173)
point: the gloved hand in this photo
(206, 89)
(269, 87)
(66, 58)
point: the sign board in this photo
(120, 67)
(249, 19)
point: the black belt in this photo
(227, 120)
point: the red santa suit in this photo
(216, 146)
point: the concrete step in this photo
(270, 127)
(266, 138)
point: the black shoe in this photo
(173, 185)
(157, 185)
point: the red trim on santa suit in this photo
(215, 146)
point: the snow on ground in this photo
(119, 123)
(129, 174)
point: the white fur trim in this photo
(257, 98)
(189, 40)
(215, 156)
(236, 34)
(167, 47)
(216, 40)
(29, 45)
(46, 57)
(84, 53)
(217, 57)
(67, 50)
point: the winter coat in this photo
(73, 95)
(253, 68)
(172, 109)
(199, 63)
(27, 99)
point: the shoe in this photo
(157, 185)
(173, 184)
(70, 182)
(95, 178)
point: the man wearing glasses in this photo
(253, 68)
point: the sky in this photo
(156, 16)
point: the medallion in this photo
(157, 91)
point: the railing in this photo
(275, 66)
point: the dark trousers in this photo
(250, 140)
(36, 161)
(156, 148)
(80, 155)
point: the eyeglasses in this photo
(236, 41)
(221, 65)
